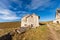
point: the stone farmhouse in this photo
(30, 21)
(57, 20)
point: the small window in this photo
(31, 25)
(58, 11)
(25, 24)
(58, 22)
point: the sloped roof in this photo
(31, 15)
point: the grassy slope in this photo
(57, 29)
(9, 25)
(40, 33)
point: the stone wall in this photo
(31, 20)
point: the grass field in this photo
(9, 25)
(40, 33)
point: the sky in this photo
(14, 10)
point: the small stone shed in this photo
(30, 20)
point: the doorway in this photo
(31, 25)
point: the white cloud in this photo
(4, 3)
(8, 15)
(22, 13)
(9, 18)
(6, 12)
(35, 4)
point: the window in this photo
(58, 22)
(25, 24)
(31, 25)
(58, 11)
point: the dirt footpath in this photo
(53, 32)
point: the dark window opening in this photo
(25, 24)
(58, 11)
(58, 22)
(31, 25)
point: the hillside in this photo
(40, 33)
(46, 31)
(10, 25)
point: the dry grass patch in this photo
(40, 33)
(9, 25)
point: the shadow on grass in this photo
(6, 37)
(42, 24)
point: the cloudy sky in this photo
(14, 10)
